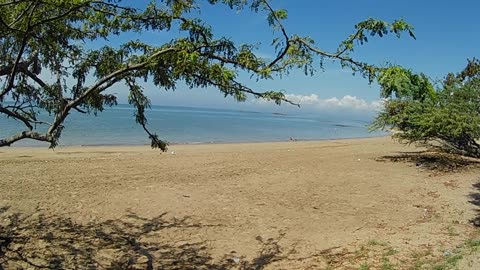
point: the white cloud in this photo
(347, 102)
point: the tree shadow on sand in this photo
(435, 161)
(52, 242)
(475, 200)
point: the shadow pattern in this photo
(433, 161)
(475, 200)
(52, 242)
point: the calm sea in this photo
(183, 125)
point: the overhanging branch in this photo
(19, 55)
(242, 88)
(26, 135)
(17, 116)
(284, 33)
(99, 85)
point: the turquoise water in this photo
(182, 125)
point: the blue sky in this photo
(447, 34)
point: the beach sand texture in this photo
(292, 205)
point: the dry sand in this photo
(292, 205)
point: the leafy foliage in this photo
(53, 38)
(400, 83)
(448, 118)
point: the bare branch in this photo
(35, 78)
(79, 110)
(17, 116)
(26, 135)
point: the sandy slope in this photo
(339, 203)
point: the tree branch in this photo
(80, 110)
(35, 78)
(339, 53)
(19, 55)
(284, 33)
(10, 26)
(26, 135)
(155, 141)
(17, 116)
(99, 84)
(51, 19)
(5, 70)
(11, 3)
(329, 55)
(242, 88)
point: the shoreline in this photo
(190, 143)
(313, 195)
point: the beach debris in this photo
(236, 259)
(425, 213)
(173, 153)
(186, 196)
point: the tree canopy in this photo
(42, 39)
(447, 117)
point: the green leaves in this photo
(450, 115)
(372, 27)
(276, 15)
(400, 26)
(71, 43)
(401, 83)
(380, 28)
(179, 7)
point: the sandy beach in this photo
(336, 204)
